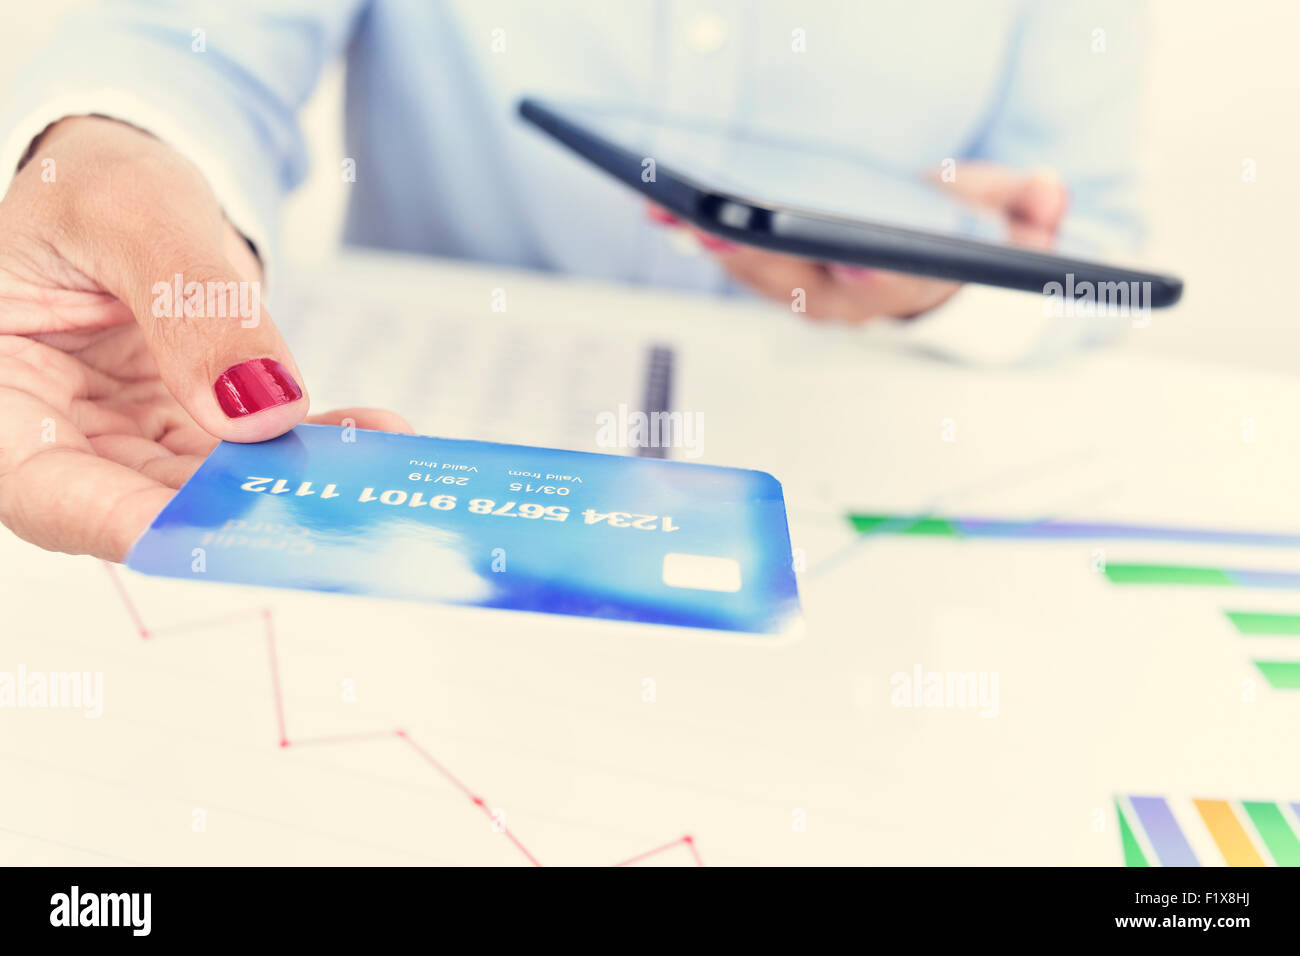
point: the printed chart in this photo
(1281, 673)
(1156, 831)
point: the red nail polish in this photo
(714, 244)
(662, 216)
(253, 386)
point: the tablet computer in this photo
(827, 205)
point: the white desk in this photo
(598, 744)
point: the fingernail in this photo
(662, 216)
(714, 244)
(253, 386)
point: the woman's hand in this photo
(112, 387)
(1033, 205)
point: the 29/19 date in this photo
(527, 509)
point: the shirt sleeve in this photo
(221, 81)
(1070, 101)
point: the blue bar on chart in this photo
(1172, 848)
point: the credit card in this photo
(346, 510)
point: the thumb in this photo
(1035, 210)
(216, 348)
(141, 221)
(1039, 199)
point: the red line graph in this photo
(273, 659)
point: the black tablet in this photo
(830, 206)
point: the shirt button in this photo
(707, 33)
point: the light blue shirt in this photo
(443, 165)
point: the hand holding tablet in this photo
(833, 208)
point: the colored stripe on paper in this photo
(1274, 831)
(1172, 848)
(1167, 574)
(1281, 675)
(1049, 529)
(1190, 576)
(1133, 855)
(1229, 835)
(1255, 623)
(1246, 832)
(901, 524)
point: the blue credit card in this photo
(476, 523)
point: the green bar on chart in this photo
(1167, 574)
(1275, 831)
(1281, 675)
(1133, 855)
(1251, 622)
(897, 524)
